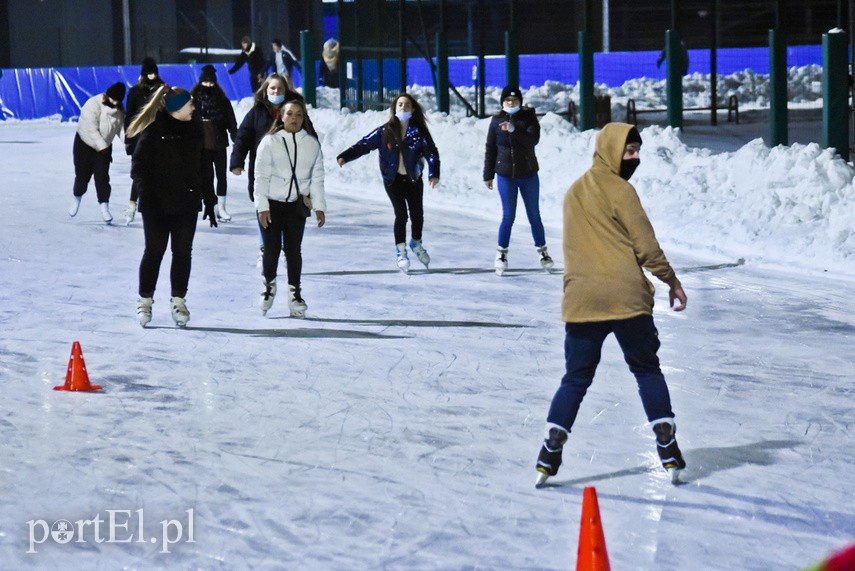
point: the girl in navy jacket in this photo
(404, 143)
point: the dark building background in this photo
(55, 33)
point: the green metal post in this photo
(342, 60)
(512, 59)
(310, 82)
(674, 80)
(442, 99)
(835, 93)
(586, 82)
(778, 89)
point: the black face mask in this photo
(627, 167)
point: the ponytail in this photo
(149, 113)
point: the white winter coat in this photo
(99, 124)
(273, 169)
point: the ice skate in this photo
(105, 212)
(220, 210)
(549, 458)
(259, 262)
(545, 259)
(296, 303)
(402, 259)
(420, 252)
(75, 206)
(130, 212)
(666, 446)
(144, 310)
(180, 313)
(501, 260)
(266, 301)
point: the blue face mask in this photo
(276, 99)
(511, 110)
(403, 116)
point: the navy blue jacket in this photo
(512, 154)
(418, 145)
(252, 129)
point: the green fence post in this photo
(778, 89)
(310, 82)
(674, 81)
(586, 82)
(835, 93)
(442, 99)
(512, 59)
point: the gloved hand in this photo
(209, 213)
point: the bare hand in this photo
(322, 219)
(237, 171)
(489, 184)
(341, 162)
(678, 294)
(264, 218)
(504, 126)
(433, 182)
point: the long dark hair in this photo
(392, 129)
(279, 123)
(219, 94)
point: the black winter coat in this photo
(252, 129)
(138, 96)
(512, 154)
(167, 167)
(217, 115)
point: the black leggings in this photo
(406, 194)
(159, 229)
(214, 162)
(285, 230)
(88, 162)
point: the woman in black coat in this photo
(166, 166)
(509, 156)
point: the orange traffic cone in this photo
(77, 379)
(592, 555)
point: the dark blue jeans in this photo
(583, 343)
(529, 188)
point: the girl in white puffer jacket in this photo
(289, 183)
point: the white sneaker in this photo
(180, 313)
(545, 259)
(105, 212)
(144, 310)
(420, 252)
(402, 259)
(130, 212)
(296, 304)
(266, 301)
(501, 263)
(75, 206)
(220, 210)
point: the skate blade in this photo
(541, 480)
(499, 272)
(298, 314)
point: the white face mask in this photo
(510, 110)
(403, 116)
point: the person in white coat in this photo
(289, 183)
(101, 120)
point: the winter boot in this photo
(75, 206)
(501, 260)
(666, 445)
(549, 458)
(266, 301)
(420, 252)
(220, 210)
(105, 212)
(130, 212)
(545, 260)
(402, 259)
(296, 303)
(180, 313)
(144, 310)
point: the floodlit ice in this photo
(397, 426)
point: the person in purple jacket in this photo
(404, 143)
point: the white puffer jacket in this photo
(273, 169)
(99, 124)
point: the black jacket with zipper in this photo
(511, 154)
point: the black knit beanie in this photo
(116, 91)
(209, 73)
(511, 91)
(633, 136)
(148, 66)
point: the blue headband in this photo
(177, 101)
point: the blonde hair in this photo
(260, 95)
(147, 114)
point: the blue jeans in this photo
(529, 188)
(583, 343)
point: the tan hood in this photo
(610, 145)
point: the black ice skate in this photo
(669, 452)
(549, 458)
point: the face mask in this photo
(403, 116)
(627, 167)
(510, 110)
(276, 99)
